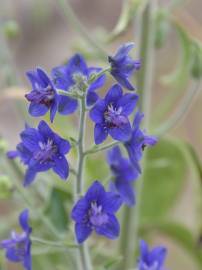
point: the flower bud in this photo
(5, 187)
(3, 146)
(11, 29)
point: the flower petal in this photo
(45, 130)
(91, 98)
(100, 133)
(80, 210)
(96, 192)
(97, 112)
(112, 202)
(61, 167)
(30, 138)
(124, 50)
(125, 189)
(53, 110)
(110, 229)
(114, 94)
(82, 232)
(24, 220)
(12, 255)
(36, 109)
(77, 64)
(29, 177)
(121, 133)
(114, 155)
(128, 103)
(122, 79)
(67, 105)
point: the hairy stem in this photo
(83, 261)
(129, 237)
(96, 149)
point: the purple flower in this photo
(43, 96)
(151, 260)
(75, 76)
(18, 247)
(124, 175)
(41, 149)
(123, 66)
(95, 211)
(137, 142)
(111, 115)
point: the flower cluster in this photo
(42, 149)
(18, 247)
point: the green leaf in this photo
(56, 209)
(180, 76)
(112, 262)
(163, 179)
(181, 235)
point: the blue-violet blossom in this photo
(43, 96)
(96, 212)
(123, 66)
(74, 76)
(111, 115)
(42, 149)
(124, 175)
(151, 260)
(18, 247)
(138, 141)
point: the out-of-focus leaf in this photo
(180, 234)
(5, 187)
(196, 62)
(129, 10)
(163, 179)
(112, 263)
(96, 168)
(195, 158)
(162, 27)
(56, 209)
(180, 76)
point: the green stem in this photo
(72, 18)
(129, 237)
(96, 149)
(53, 244)
(84, 258)
(99, 74)
(181, 111)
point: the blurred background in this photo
(38, 33)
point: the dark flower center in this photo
(113, 117)
(96, 215)
(42, 96)
(19, 244)
(46, 152)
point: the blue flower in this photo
(74, 76)
(151, 260)
(123, 66)
(43, 96)
(138, 141)
(111, 115)
(41, 149)
(124, 175)
(18, 247)
(95, 211)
